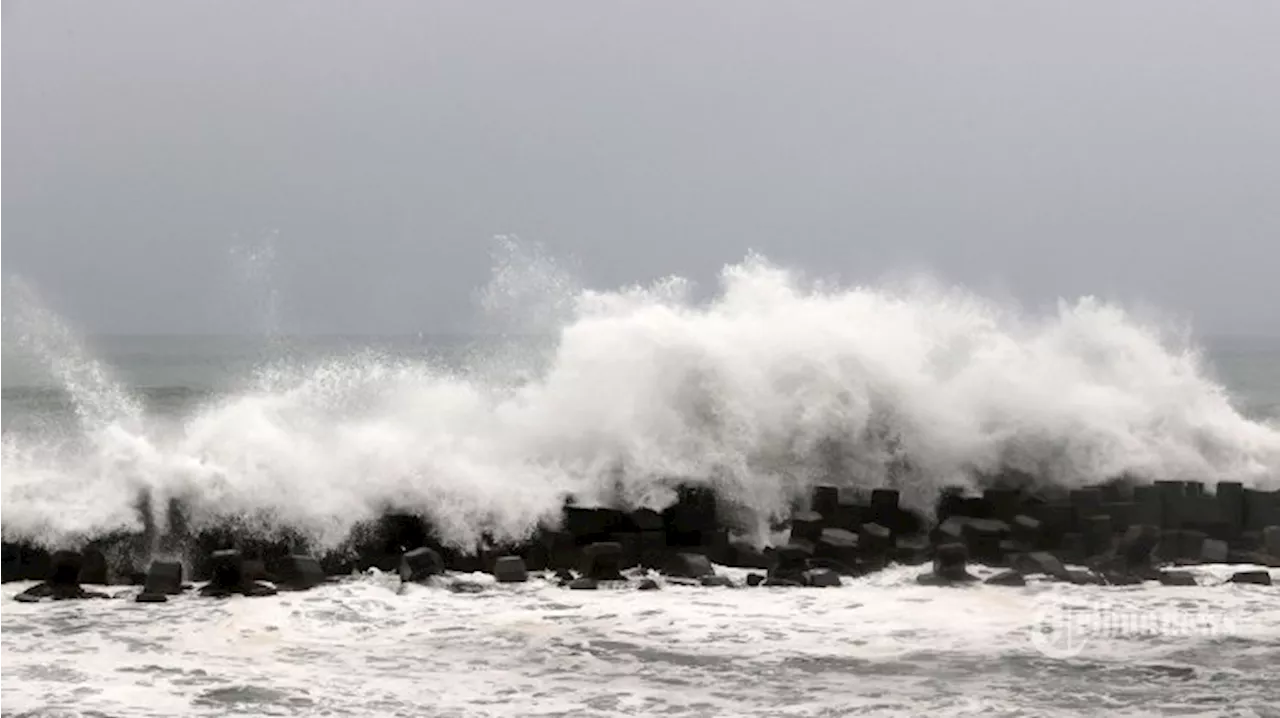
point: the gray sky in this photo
(1043, 149)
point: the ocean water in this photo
(878, 646)
(762, 389)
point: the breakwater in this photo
(1120, 532)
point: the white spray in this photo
(767, 388)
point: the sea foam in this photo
(768, 386)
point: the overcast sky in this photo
(1124, 149)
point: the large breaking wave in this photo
(769, 386)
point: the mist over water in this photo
(769, 386)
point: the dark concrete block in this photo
(653, 549)
(647, 584)
(1214, 551)
(783, 582)
(744, 554)
(1004, 503)
(56, 592)
(1037, 562)
(1260, 558)
(1148, 507)
(950, 565)
(583, 584)
(806, 525)
(1190, 542)
(907, 523)
(821, 578)
(420, 563)
(838, 544)
(693, 515)
(796, 551)
(1115, 491)
(911, 551)
(840, 539)
(64, 567)
(1056, 519)
(163, 578)
(1177, 578)
(510, 569)
(1201, 510)
(1097, 534)
(826, 501)
(1217, 530)
(690, 565)
(792, 558)
(1121, 578)
(589, 525)
(983, 538)
(227, 567)
(1028, 530)
(299, 572)
(1171, 504)
(975, 507)
(1137, 545)
(562, 551)
(755, 579)
(1009, 548)
(1170, 546)
(391, 535)
(532, 553)
(874, 540)
(874, 545)
(24, 562)
(630, 543)
(951, 530)
(930, 578)
(1261, 509)
(950, 503)
(1257, 578)
(1071, 548)
(1230, 497)
(1084, 578)
(93, 567)
(602, 561)
(849, 516)
(1007, 578)
(1271, 540)
(884, 501)
(1086, 502)
(1121, 514)
(63, 581)
(647, 520)
(716, 580)
(256, 570)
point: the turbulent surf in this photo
(771, 384)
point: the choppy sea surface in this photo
(877, 646)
